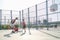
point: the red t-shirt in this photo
(23, 24)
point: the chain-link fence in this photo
(41, 14)
(7, 16)
(36, 16)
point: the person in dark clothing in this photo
(13, 25)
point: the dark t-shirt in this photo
(13, 21)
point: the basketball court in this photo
(35, 35)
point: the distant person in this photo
(55, 26)
(13, 25)
(24, 25)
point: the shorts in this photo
(16, 29)
(12, 25)
(24, 27)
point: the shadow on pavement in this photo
(50, 34)
(22, 34)
(8, 35)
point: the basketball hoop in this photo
(52, 10)
(53, 7)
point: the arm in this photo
(13, 21)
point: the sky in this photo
(18, 4)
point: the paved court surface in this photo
(35, 35)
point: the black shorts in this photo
(24, 27)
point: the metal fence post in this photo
(11, 14)
(28, 18)
(20, 17)
(0, 19)
(47, 14)
(29, 26)
(5, 20)
(36, 16)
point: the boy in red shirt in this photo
(24, 25)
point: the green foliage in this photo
(8, 26)
(37, 26)
(17, 25)
(4, 26)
